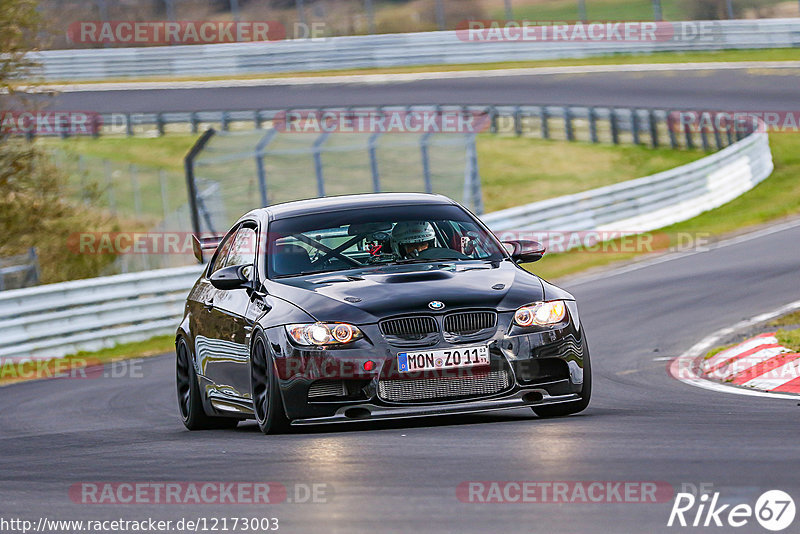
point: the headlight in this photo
(323, 333)
(541, 313)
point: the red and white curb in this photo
(758, 363)
(759, 366)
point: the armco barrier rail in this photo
(58, 319)
(53, 320)
(391, 50)
(652, 202)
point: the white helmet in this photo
(408, 232)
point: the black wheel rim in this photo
(184, 384)
(260, 381)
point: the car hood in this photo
(366, 296)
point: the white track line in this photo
(414, 76)
(671, 256)
(683, 367)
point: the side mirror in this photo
(525, 251)
(234, 277)
(199, 244)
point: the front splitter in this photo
(372, 412)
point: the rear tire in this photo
(190, 403)
(267, 402)
(569, 408)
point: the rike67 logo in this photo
(774, 510)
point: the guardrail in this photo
(19, 271)
(651, 202)
(54, 320)
(392, 50)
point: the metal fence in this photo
(244, 168)
(571, 123)
(237, 172)
(393, 50)
(141, 198)
(19, 271)
(90, 314)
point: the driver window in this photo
(222, 253)
(243, 250)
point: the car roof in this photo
(315, 205)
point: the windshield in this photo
(377, 236)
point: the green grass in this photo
(789, 339)
(515, 171)
(786, 320)
(776, 197)
(114, 181)
(136, 349)
(512, 173)
(601, 10)
(567, 10)
(166, 152)
(10, 374)
(717, 350)
(771, 54)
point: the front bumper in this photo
(544, 366)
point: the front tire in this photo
(569, 408)
(190, 403)
(267, 402)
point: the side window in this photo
(243, 250)
(222, 252)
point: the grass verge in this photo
(717, 350)
(786, 320)
(517, 170)
(789, 339)
(166, 152)
(512, 169)
(775, 198)
(513, 173)
(77, 365)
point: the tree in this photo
(35, 207)
(20, 25)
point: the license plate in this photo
(431, 360)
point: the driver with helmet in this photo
(409, 238)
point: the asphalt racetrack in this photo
(747, 89)
(642, 425)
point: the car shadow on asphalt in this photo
(417, 422)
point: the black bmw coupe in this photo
(374, 306)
